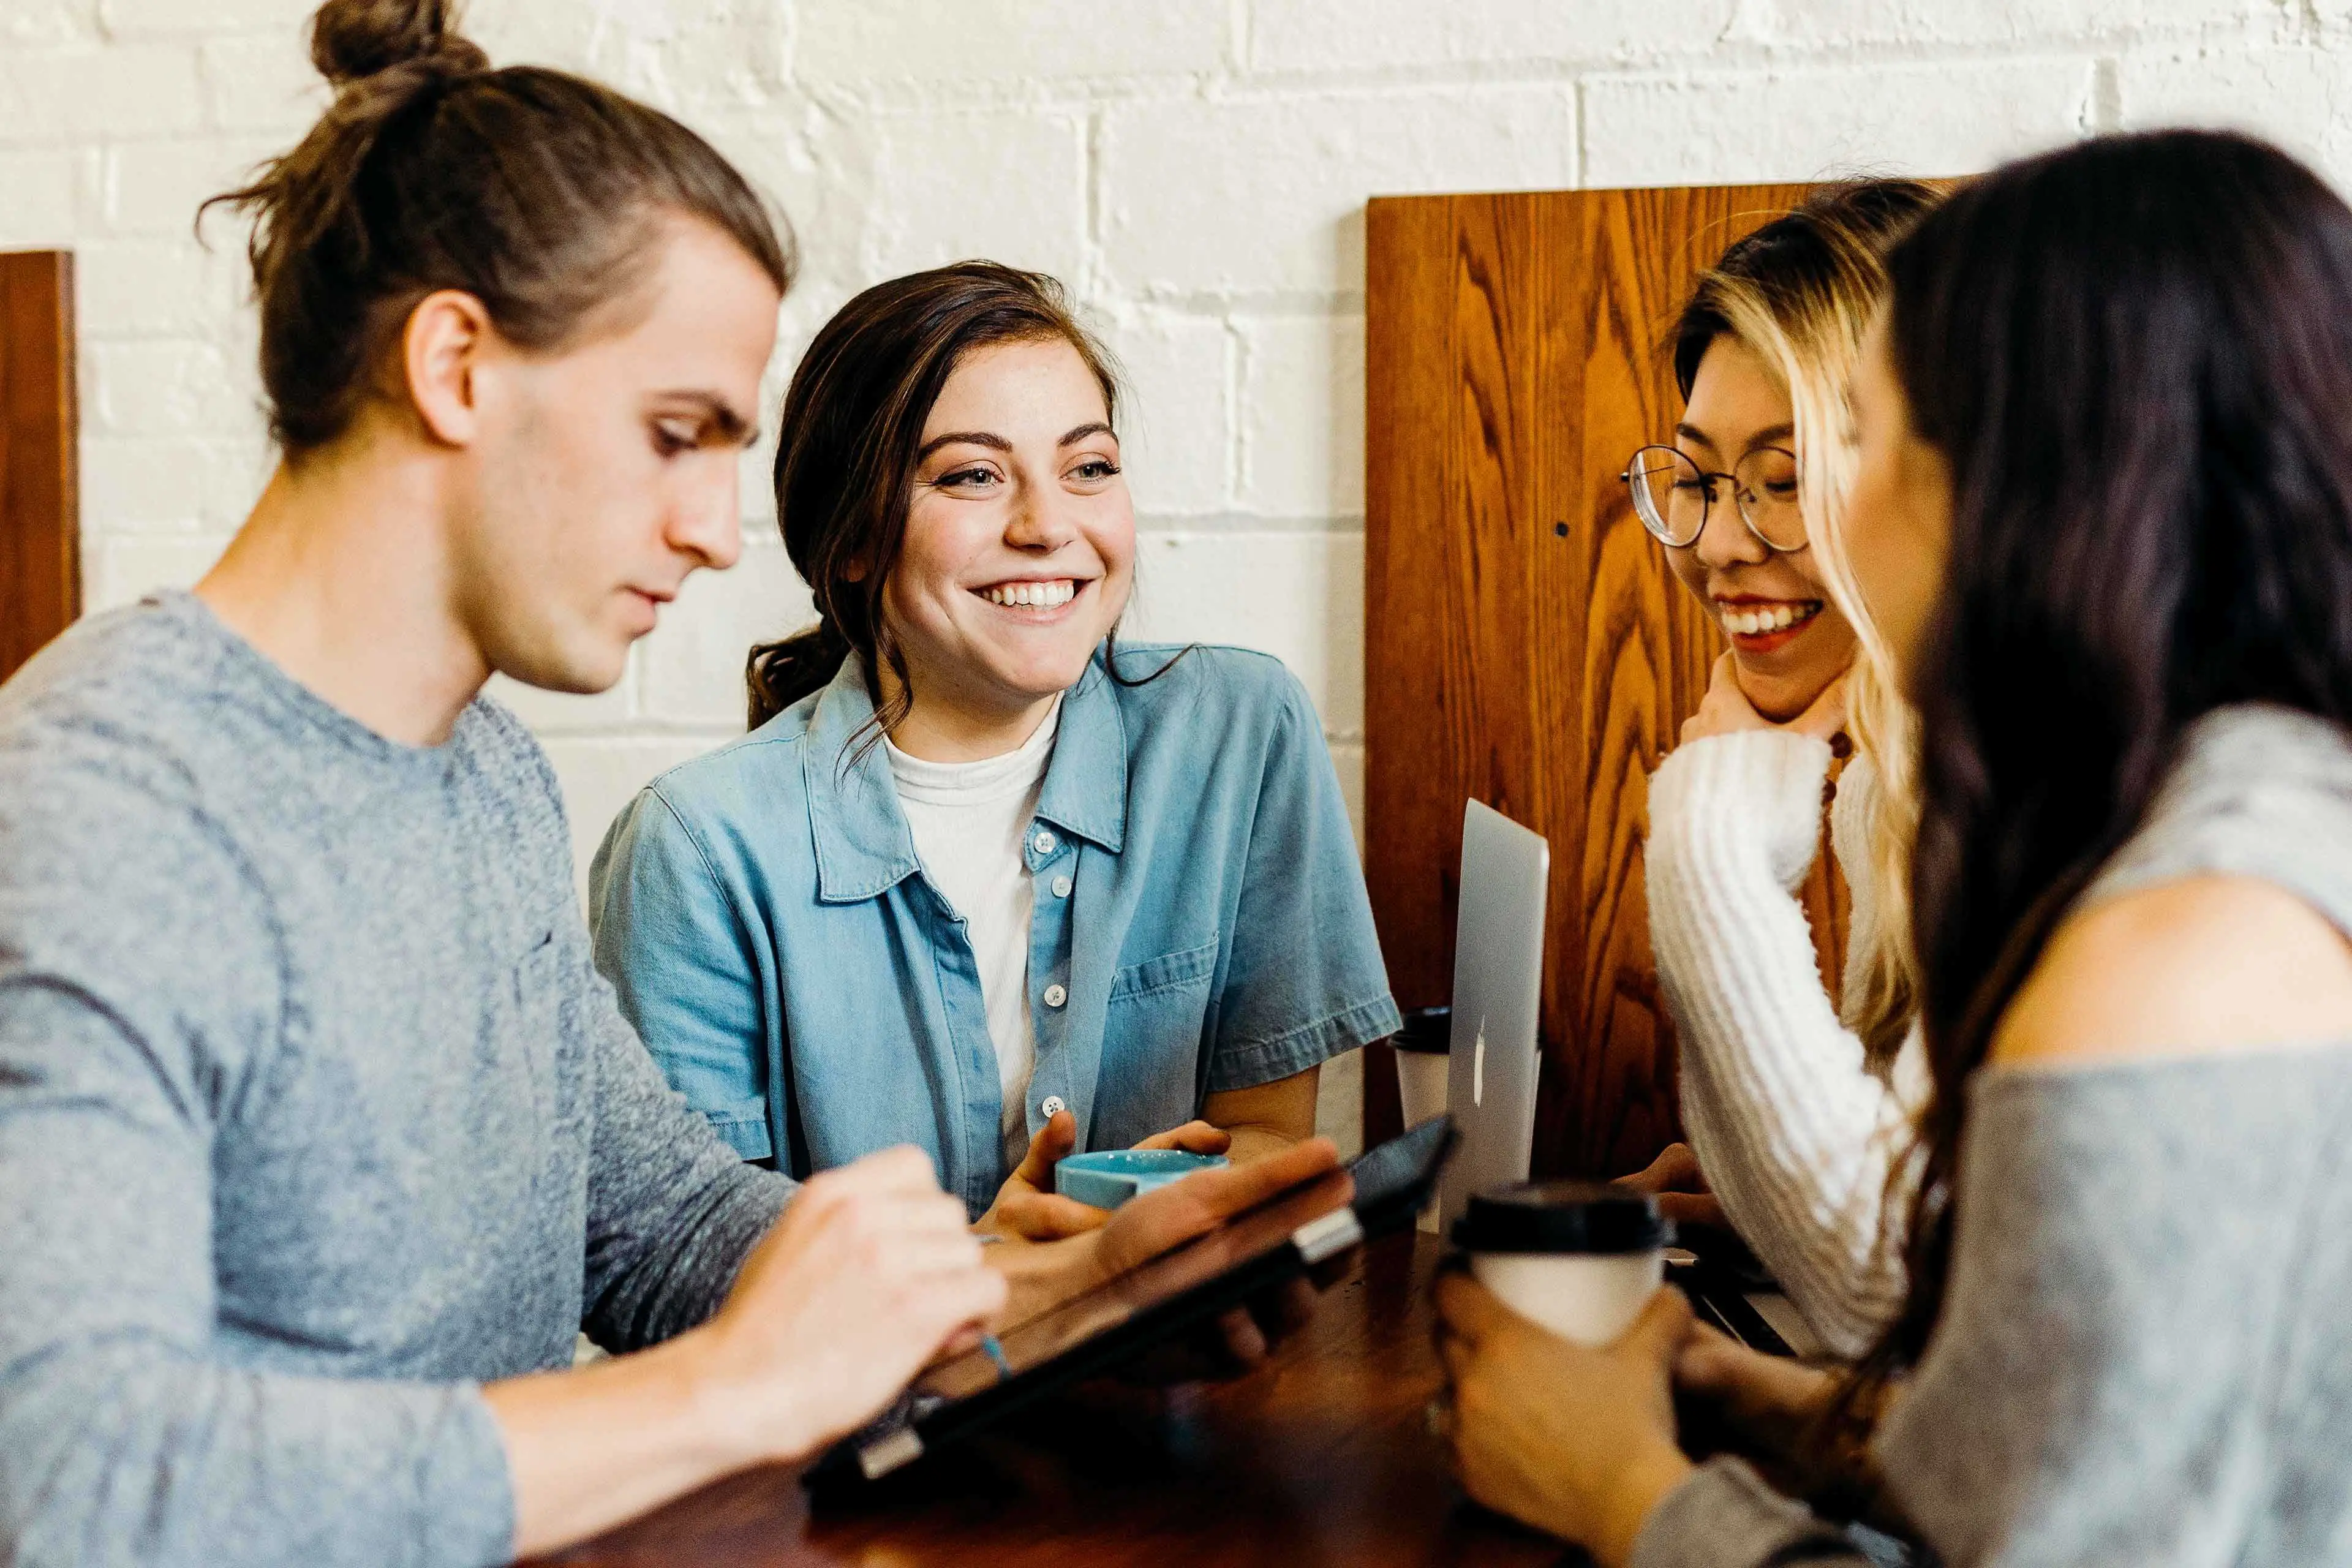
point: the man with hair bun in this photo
(320, 1136)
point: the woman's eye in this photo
(670, 441)
(1094, 470)
(967, 479)
(1690, 486)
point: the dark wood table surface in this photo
(1322, 1456)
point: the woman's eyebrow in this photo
(1693, 433)
(1772, 436)
(1079, 433)
(987, 438)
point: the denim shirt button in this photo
(1056, 995)
(1051, 1106)
(1061, 887)
(1044, 842)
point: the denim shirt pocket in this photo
(1170, 977)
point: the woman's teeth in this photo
(1045, 595)
(1764, 618)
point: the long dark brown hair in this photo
(846, 446)
(537, 192)
(2135, 356)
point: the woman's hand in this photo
(1027, 1207)
(1725, 709)
(1762, 1403)
(1577, 1442)
(1675, 1179)
(1044, 1274)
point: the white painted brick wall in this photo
(1195, 169)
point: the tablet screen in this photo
(1247, 1238)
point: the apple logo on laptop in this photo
(1478, 1067)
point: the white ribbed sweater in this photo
(1796, 1133)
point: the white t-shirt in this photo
(969, 820)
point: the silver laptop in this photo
(1498, 954)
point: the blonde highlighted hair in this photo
(1799, 293)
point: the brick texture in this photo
(1196, 170)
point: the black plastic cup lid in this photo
(1563, 1218)
(1429, 1030)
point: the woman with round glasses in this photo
(1797, 1107)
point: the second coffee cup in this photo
(1582, 1258)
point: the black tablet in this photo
(1121, 1319)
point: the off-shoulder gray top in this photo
(2146, 1351)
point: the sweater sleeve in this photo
(1724, 1516)
(1796, 1134)
(672, 1211)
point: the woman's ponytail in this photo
(779, 674)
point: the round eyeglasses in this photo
(1672, 495)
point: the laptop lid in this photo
(1499, 950)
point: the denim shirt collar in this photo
(863, 847)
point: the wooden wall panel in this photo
(40, 508)
(1525, 642)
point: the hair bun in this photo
(352, 40)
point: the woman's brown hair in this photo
(845, 455)
(538, 191)
(2133, 355)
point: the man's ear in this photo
(441, 355)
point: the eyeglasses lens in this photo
(1765, 485)
(1668, 494)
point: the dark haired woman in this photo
(2105, 515)
(981, 878)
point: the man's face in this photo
(606, 471)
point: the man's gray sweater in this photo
(314, 1117)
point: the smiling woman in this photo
(1795, 1102)
(981, 878)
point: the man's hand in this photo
(870, 1273)
(1027, 1207)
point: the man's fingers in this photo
(902, 1168)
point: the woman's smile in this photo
(1035, 600)
(1759, 626)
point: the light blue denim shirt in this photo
(1201, 918)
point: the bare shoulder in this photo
(2205, 966)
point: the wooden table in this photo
(1322, 1456)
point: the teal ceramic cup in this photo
(1109, 1177)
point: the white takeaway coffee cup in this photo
(1580, 1257)
(1421, 1058)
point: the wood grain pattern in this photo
(1323, 1455)
(1525, 641)
(40, 507)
